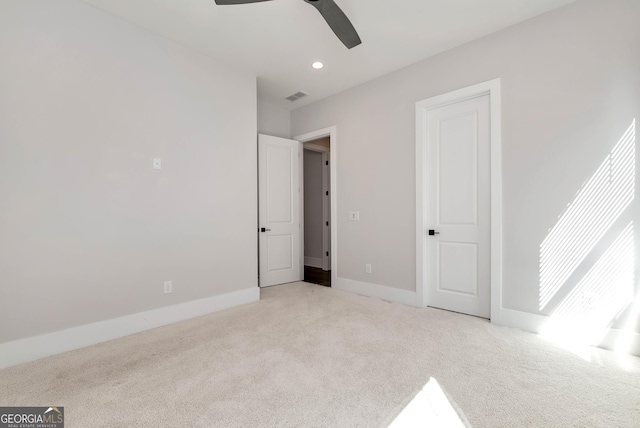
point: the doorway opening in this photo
(307, 139)
(316, 209)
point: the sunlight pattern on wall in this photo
(606, 290)
(599, 203)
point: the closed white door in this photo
(279, 210)
(458, 207)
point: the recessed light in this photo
(317, 65)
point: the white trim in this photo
(534, 323)
(523, 320)
(495, 97)
(491, 88)
(612, 337)
(332, 133)
(315, 262)
(301, 207)
(374, 290)
(33, 348)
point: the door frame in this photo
(332, 133)
(493, 89)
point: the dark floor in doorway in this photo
(317, 276)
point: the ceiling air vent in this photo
(297, 96)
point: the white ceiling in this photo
(278, 40)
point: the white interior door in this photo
(458, 207)
(279, 210)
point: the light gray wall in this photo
(88, 230)
(312, 204)
(273, 120)
(570, 88)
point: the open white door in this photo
(279, 210)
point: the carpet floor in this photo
(307, 356)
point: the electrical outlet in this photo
(168, 287)
(367, 268)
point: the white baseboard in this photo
(613, 336)
(33, 348)
(522, 320)
(380, 291)
(533, 323)
(313, 262)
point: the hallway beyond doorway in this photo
(317, 276)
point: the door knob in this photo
(264, 229)
(433, 232)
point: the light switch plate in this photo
(354, 215)
(157, 163)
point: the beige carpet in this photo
(306, 355)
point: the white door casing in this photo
(279, 213)
(458, 211)
(459, 194)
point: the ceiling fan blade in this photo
(226, 2)
(338, 21)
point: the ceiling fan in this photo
(330, 11)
